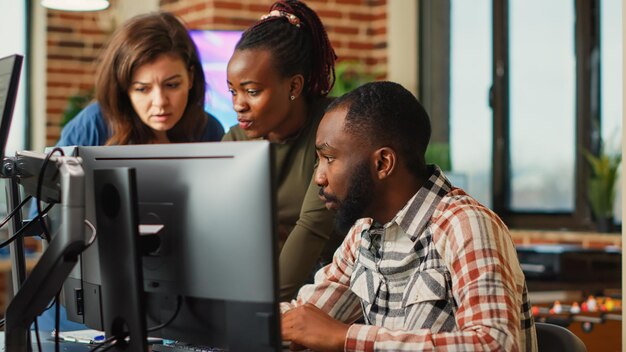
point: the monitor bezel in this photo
(14, 66)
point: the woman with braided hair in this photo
(279, 75)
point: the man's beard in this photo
(359, 197)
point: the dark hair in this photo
(386, 114)
(141, 40)
(301, 48)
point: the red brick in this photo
(349, 58)
(70, 44)
(360, 16)
(227, 5)
(54, 111)
(90, 31)
(345, 30)
(67, 70)
(360, 46)
(243, 22)
(56, 29)
(377, 31)
(336, 44)
(329, 14)
(71, 16)
(259, 8)
(66, 84)
(85, 86)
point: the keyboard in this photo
(184, 347)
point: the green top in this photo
(304, 224)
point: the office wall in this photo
(357, 29)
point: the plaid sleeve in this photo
(331, 290)
(487, 284)
(486, 277)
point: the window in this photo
(13, 20)
(532, 84)
(470, 80)
(611, 59)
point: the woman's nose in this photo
(159, 98)
(239, 103)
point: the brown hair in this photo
(298, 43)
(141, 40)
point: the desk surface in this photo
(47, 345)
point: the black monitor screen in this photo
(216, 250)
(10, 68)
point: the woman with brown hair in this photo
(279, 75)
(149, 89)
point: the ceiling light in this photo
(76, 5)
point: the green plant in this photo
(75, 104)
(605, 169)
(350, 74)
(439, 154)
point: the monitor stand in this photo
(47, 277)
(120, 259)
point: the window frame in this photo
(587, 119)
(587, 110)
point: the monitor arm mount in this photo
(63, 181)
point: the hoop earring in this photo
(292, 97)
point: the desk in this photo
(48, 345)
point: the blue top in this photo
(89, 128)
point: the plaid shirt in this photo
(442, 275)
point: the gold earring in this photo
(292, 97)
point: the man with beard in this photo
(423, 266)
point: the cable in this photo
(179, 303)
(25, 227)
(12, 213)
(112, 340)
(57, 322)
(45, 234)
(37, 335)
(94, 234)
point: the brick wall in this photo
(74, 40)
(357, 29)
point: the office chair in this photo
(553, 338)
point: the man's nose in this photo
(320, 176)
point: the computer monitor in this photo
(215, 48)
(10, 69)
(217, 247)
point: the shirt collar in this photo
(416, 214)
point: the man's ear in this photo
(385, 160)
(296, 85)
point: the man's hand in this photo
(308, 326)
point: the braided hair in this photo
(299, 45)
